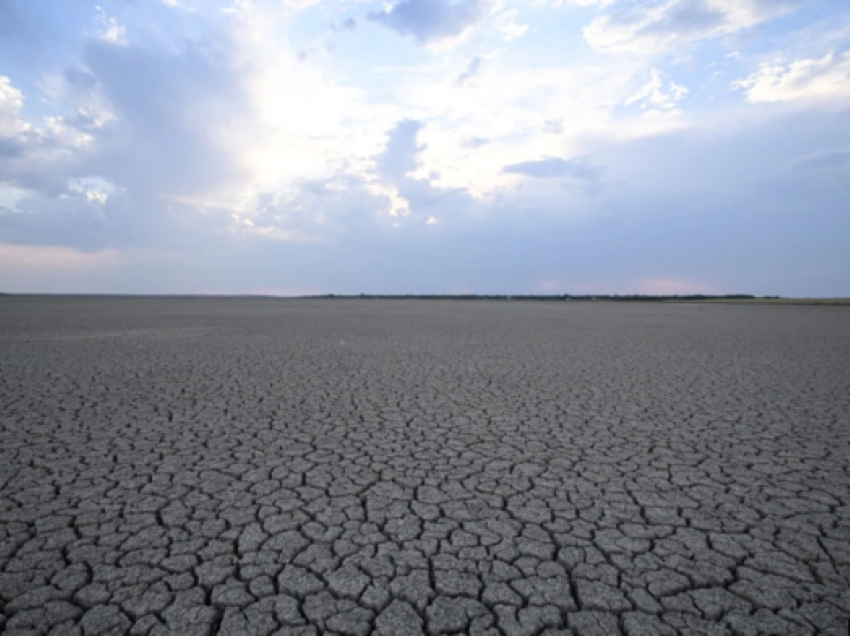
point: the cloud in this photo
(34, 158)
(431, 21)
(110, 30)
(474, 142)
(9, 197)
(12, 126)
(349, 24)
(471, 70)
(90, 215)
(653, 93)
(171, 117)
(156, 122)
(505, 24)
(822, 79)
(196, 145)
(314, 211)
(555, 167)
(823, 159)
(399, 156)
(47, 257)
(95, 189)
(166, 140)
(409, 194)
(520, 113)
(634, 26)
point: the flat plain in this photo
(257, 466)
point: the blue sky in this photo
(424, 146)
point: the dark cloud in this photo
(163, 138)
(399, 155)
(11, 147)
(160, 145)
(555, 167)
(29, 161)
(75, 221)
(430, 20)
(168, 110)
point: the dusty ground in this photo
(198, 466)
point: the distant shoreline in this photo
(738, 299)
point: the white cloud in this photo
(160, 128)
(286, 152)
(510, 113)
(301, 121)
(203, 131)
(110, 30)
(9, 198)
(654, 94)
(300, 5)
(506, 24)
(821, 79)
(633, 26)
(11, 103)
(95, 189)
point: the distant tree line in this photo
(548, 297)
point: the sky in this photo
(295, 147)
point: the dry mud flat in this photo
(233, 466)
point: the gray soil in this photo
(239, 466)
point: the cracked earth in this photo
(233, 466)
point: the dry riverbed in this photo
(259, 466)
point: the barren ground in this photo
(255, 466)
